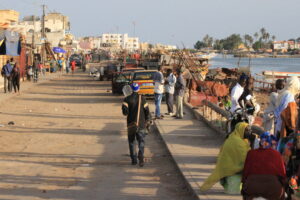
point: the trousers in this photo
(179, 106)
(7, 84)
(170, 102)
(134, 135)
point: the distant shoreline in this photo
(265, 56)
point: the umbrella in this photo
(58, 50)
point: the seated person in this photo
(264, 172)
(231, 157)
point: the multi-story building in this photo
(56, 27)
(122, 41)
(285, 45)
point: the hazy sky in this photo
(172, 21)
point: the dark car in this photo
(77, 58)
(119, 80)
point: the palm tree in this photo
(256, 35)
(262, 32)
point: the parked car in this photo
(119, 80)
(106, 73)
(145, 80)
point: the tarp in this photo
(12, 43)
(58, 50)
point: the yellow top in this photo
(231, 158)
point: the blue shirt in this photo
(7, 69)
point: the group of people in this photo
(137, 111)
(66, 66)
(11, 74)
(269, 170)
(173, 86)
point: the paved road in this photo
(69, 142)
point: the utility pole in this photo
(43, 36)
(33, 37)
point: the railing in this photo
(217, 118)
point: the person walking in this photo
(137, 111)
(158, 91)
(35, 69)
(179, 94)
(15, 78)
(170, 89)
(6, 73)
(73, 66)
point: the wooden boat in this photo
(275, 74)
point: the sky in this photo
(176, 22)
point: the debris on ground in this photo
(11, 123)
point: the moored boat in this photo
(275, 74)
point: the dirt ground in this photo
(69, 142)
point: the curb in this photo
(158, 129)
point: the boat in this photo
(275, 74)
(207, 55)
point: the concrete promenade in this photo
(194, 147)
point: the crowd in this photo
(173, 87)
(270, 169)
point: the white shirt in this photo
(159, 84)
(170, 87)
(236, 93)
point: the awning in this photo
(58, 50)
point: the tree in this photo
(200, 45)
(273, 38)
(257, 45)
(248, 40)
(256, 35)
(208, 40)
(232, 42)
(218, 44)
(263, 33)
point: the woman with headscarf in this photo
(286, 111)
(231, 157)
(264, 172)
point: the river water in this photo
(258, 64)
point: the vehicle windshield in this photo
(123, 78)
(143, 76)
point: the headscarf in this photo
(292, 87)
(231, 157)
(268, 141)
(287, 96)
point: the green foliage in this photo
(257, 45)
(232, 42)
(200, 45)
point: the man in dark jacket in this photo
(6, 73)
(137, 117)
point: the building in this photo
(56, 27)
(9, 16)
(122, 41)
(285, 45)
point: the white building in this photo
(119, 41)
(285, 45)
(56, 26)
